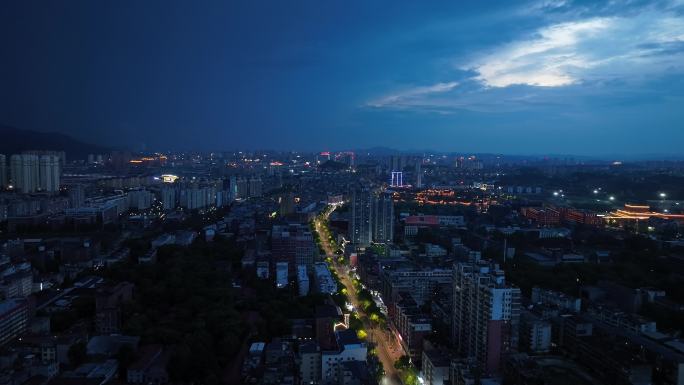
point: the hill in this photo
(16, 140)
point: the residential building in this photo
(302, 280)
(24, 172)
(49, 173)
(168, 198)
(309, 363)
(349, 348)
(360, 218)
(486, 313)
(14, 319)
(535, 334)
(435, 367)
(293, 243)
(281, 274)
(323, 279)
(382, 218)
(4, 179)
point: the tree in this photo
(403, 362)
(125, 356)
(77, 354)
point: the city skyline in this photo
(537, 77)
(342, 193)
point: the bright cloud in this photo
(577, 54)
(597, 48)
(412, 96)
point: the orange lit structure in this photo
(640, 213)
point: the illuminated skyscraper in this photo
(397, 179)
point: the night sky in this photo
(538, 77)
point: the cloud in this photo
(576, 57)
(413, 96)
(572, 52)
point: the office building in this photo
(383, 218)
(486, 313)
(397, 179)
(360, 221)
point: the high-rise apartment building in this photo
(197, 197)
(248, 188)
(371, 218)
(397, 179)
(24, 172)
(4, 179)
(168, 198)
(419, 174)
(360, 218)
(486, 313)
(76, 196)
(383, 218)
(49, 173)
(255, 187)
(139, 199)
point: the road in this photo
(387, 348)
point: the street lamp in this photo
(612, 198)
(663, 195)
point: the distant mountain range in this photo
(14, 140)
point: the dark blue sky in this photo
(545, 76)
